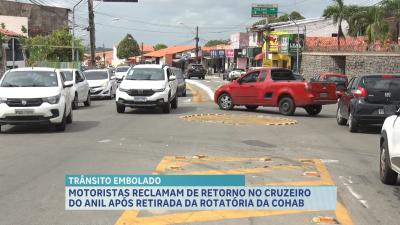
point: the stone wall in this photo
(42, 20)
(350, 64)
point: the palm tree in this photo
(392, 8)
(338, 11)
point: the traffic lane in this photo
(33, 164)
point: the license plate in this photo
(323, 95)
(24, 111)
(140, 99)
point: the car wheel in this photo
(313, 110)
(120, 108)
(167, 107)
(75, 102)
(111, 95)
(387, 175)
(353, 124)
(225, 102)
(69, 117)
(252, 107)
(339, 119)
(184, 92)
(0, 129)
(286, 106)
(61, 126)
(88, 101)
(174, 103)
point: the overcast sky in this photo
(160, 21)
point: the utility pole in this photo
(92, 31)
(104, 56)
(197, 43)
(141, 52)
(73, 30)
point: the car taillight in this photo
(360, 92)
(308, 87)
(388, 76)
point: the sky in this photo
(173, 22)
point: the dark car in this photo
(368, 100)
(181, 82)
(340, 80)
(196, 70)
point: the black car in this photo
(181, 81)
(196, 70)
(369, 99)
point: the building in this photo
(237, 56)
(41, 20)
(171, 55)
(15, 24)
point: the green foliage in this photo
(128, 47)
(284, 18)
(55, 47)
(159, 47)
(3, 26)
(215, 43)
(23, 29)
(338, 12)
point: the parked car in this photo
(368, 99)
(275, 87)
(236, 73)
(340, 80)
(390, 150)
(196, 70)
(102, 83)
(120, 72)
(181, 81)
(80, 88)
(148, 86)
(35, 96)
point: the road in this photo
(34, 160)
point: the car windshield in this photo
(68, 75)
(382, 83)
(122, 69)
(145, 74)
(335, 79)
(96, 75)
(30, 79)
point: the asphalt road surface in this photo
(34, 161)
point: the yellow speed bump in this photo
(239, 119)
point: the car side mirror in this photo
(172, 78)
(68, 84)
(113, 77)
(398, 112)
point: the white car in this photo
(80, 90)
(236, 73)
(102, 83)
(148, 86)
(35, 96)
(121, 71)
(390, 150)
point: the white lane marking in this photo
(329, 161)
(346, 181)
(204, 87)
(105, 141)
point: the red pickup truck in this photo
(276, 87)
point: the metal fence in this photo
(348, 44)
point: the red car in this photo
(341, 81)
(276, 87)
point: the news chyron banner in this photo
(189, 192)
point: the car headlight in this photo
(53, 99)
(105, 84)
(159, 90)
(3, 100)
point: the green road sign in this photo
(264, 10)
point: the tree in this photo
(128, 47)
(392, 8)
(338, 11)
(215, 43)
(23, 29)
(159, 47)
(55, 47)
(3, 26)
(284, 18)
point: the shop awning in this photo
(260, 56)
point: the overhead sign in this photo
(264, 10)
(217, 54)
